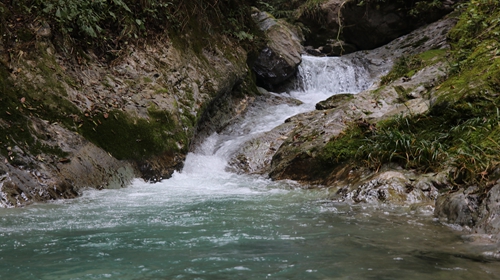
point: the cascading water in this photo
(207, 223)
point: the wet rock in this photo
(47, 177)
(476, 211)
(279, 60)
(390, 186)
(312, 51)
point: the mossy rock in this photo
(334, 101)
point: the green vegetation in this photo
(107, 26)
(407, 66)
(462, 128)
(291, 10)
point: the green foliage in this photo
(413, 8)
(107, 25)
(291, 9)
(406, 66)
(462, 129)
(464, 135)
(413, 142)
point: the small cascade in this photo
(320, 78)
(333, 75)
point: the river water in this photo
(208, 223)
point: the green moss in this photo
(342, 148)
(126, 137)
(161, 91)
(16, 105)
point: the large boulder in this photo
(367, 24)
(472, 209)
(279, 59)
(376, 23)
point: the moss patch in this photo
(16, 105)
(126, 137)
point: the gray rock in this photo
(279, 60)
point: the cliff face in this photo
(71, 119)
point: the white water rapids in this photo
(208, 223)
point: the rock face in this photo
(30, 178)
(279, 59)
(72, 124)
(477, 212)
(375, 23)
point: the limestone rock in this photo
(387, 186)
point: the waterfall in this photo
(333, 75)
